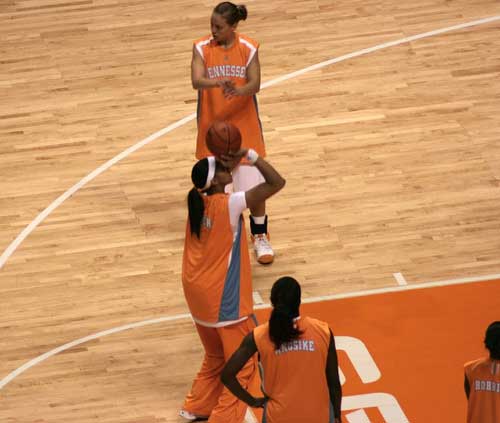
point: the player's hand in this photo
(260, 402)
(230, 90)
(232, 159)
(223, 83)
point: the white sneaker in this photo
(191, 417)
(263, 249)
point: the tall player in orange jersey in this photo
(300, 369)
(217, 280)
(482, 381)
(225, 70)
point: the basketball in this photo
(223, 137)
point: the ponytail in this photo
(285, 297)
(231, 13)
(282, 327)
(196, 209)
(195, 203)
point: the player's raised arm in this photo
(274, 182)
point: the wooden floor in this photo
(392, 161)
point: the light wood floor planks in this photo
(392, 161)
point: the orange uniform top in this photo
(294, 377)
(242, 111)
(484, 398)
(216, 273)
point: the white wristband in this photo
(252, 156)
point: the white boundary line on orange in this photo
(257, 298)
(57, 202)
(11, 376)
(400, 279)
(390, 289)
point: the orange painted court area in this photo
(417, 340)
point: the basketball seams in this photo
(226, 137)
(223, 137)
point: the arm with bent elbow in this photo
(198, 76)
(333, 379)
(228, 376)
(252, 85)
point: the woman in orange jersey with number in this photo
(225, 70)
(300, 369)
(217, 280)
(482, 381)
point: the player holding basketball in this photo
(482, 381)
(225, 70)
(217, 280)
(299, 359)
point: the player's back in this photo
(484, 398)
(216, 266)
(294, 376)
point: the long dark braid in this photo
(195, 203)
(285, 298)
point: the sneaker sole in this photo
(191, 417)
(267, 259)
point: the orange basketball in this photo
(223, 137)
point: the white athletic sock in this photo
(259, 220)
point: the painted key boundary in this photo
(426, 285)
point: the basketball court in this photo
(382, 116)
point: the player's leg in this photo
(229, 409)
(207, 387)
(244, 178)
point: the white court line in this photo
(62, 198)
(11, 376)
(88, 338)
(257, 298)
(400, 279)
(43, 215)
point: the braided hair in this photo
(195, 203)
(285, 298)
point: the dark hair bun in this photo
(242, 12)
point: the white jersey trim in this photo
(199, 47)
(252, 48)
(237, 204)
(219, 324)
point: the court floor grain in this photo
(391, 156)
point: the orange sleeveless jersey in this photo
(242, 111)
(294, 377)
(216, 273)
(484, 399)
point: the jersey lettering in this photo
(297, 345)
(226, 71)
